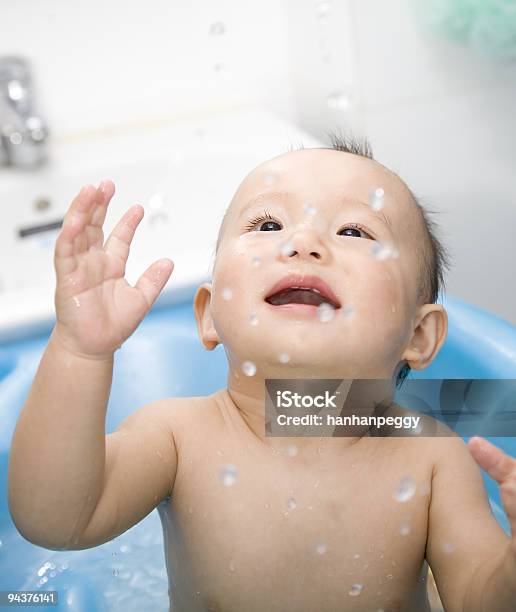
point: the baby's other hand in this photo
(502, 468)
(96, 308)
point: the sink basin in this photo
(183, 173)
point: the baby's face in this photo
(294, 214)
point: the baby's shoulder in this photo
(181, 412)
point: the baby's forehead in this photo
(321, 174)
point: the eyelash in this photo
(268, 217)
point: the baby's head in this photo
(322, 212)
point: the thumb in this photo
(152, 281)
(491, 459)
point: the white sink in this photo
(183, 173)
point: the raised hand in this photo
(502, 468)
(96, 308)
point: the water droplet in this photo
(113, 554)
(77, 302)
(125, 548)
(389, 576)
(406, 489)
(63, 567)
(309, 208)
(217, 28)
(52, 574)
(158, 219)
(325, 312)
(291, 503)
(357, 556)
(339, 100)
(159, 454)
(292, 450)
(115, 572)
(156, 201)
(448, 547)
(227, 476)
(284, 357)
(190, 511)
(221, 70)
(232, 565)
(382, 251)
(376, 198)
(320, 548)
(227, 293)
(0, 543)
(270, 178)
(323, 8)
(405, 529)
(355, 590)
(249, 368)
(286, 249)
(256, 261)
(253, 320)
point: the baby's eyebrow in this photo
(346, 200)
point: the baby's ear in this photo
(205, 327)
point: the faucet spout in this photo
(23, 133)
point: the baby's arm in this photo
(64, 473)
(466, 545)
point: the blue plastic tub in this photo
(129, 572)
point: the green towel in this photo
(489, 26)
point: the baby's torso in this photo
(261, 529)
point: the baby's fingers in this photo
(152, 281)
(120, 238)
(74, 223)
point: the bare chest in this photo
(255, 531)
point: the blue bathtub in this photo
(129, 571)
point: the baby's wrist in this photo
(59, 341)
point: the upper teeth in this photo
(309, 288)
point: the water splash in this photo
(227, 293)
(320, 548)
(325, 312)
(287, 249)
(292, 450)
(404, 529)
(383, 251)
(355, 590)
(406, 489)
(376, 198)
(291, 503)
(249, 368)
(227, 476)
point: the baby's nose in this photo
(304, 242)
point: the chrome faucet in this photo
(23, 133)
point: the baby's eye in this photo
(353, 226)
(265, 227)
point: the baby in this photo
(254, 522)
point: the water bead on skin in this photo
(286, 249)
(291, 503)
(77, 302)
(256, 261)
(291, 450)
(309, 208)
(355, 590)
(227, 476)
(320, 548)
(253, 320)
(405, 529)
(227, 293)
(447, 547)
(249, 368)
(284, 357)
(406, 489)
(382, 251)
(376, 198)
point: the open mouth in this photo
(303, 290)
